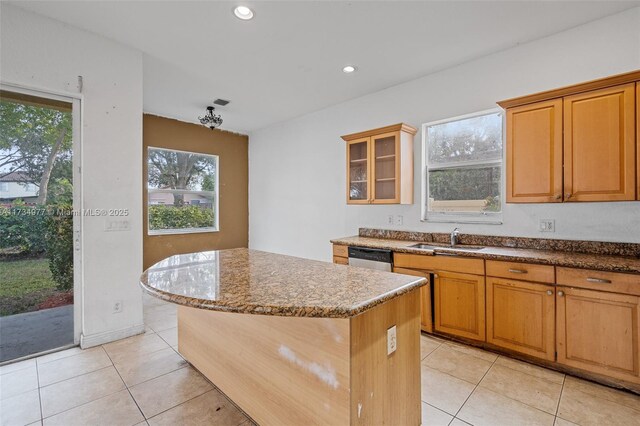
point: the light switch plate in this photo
(111, 225)
(392, 342)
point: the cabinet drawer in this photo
(439, 262)
(614, 282)
(521, 271)
(342, 251)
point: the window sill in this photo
(493, 219)
(181, 231)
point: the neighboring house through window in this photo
(182, 192)
(462, 179)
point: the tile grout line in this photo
(39, 394)
(125, 386)
(476, 387)
(183, 402)
(564, 381)
(77, 375)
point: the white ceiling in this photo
(287, 61)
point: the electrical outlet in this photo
(390, 219)
(547, 225)
(392, 342)
(399, 219)
(117, 307)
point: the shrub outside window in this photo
(462, 170)
(182, 192)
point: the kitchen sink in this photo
(433, 246)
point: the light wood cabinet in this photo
(599, 332)
(638, 139)
(576, 143)
(380, 165)
(599, 145)
(426, 316)
(459, 305)
(340, 254)
(521, 317)
(534, 153)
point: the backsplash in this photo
(591, 247)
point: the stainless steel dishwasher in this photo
(371, 258)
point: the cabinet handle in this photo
(598, 280)
(549, 292)
(561, 293)
(435, 275)
(559, 197)
(518, 271)
(567, 195)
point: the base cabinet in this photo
(459, 305)
(599, 332)
(426, 315)
(521, 317)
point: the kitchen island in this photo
(294, 341)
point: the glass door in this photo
(39, 247)
(358, 171)
(385, 168)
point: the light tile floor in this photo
(462, 385)
(143, 380)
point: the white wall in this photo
(43, 53)
(297, 168)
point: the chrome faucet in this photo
(454, 236)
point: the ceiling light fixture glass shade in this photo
(210, 119)
(243, 12)
(348, 69)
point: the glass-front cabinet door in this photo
(385, 157)
(358, 171)
(380, 165)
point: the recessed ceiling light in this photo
(243, 12)
(348, 69)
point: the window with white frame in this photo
(182, 192)
(463, 168)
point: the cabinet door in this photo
(521, 317)
(599, 145)
(358, 171)
(598, 332)
(534, 153)
(638, 139)
(385, 167)
(426, 317)
(459, 304)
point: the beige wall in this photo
(232, 149)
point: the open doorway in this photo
(39, 223)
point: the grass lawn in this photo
(25, 284)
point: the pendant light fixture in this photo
(210, 119)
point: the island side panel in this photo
(385, 389)
(279, 370)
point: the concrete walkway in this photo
(33, 332)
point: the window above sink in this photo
(462, 168)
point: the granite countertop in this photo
(256, 282)
(547, 257)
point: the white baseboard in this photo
(89, 341)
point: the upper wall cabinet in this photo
(534, 152)
(576, 143)
(380, 165)
(599, 145)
